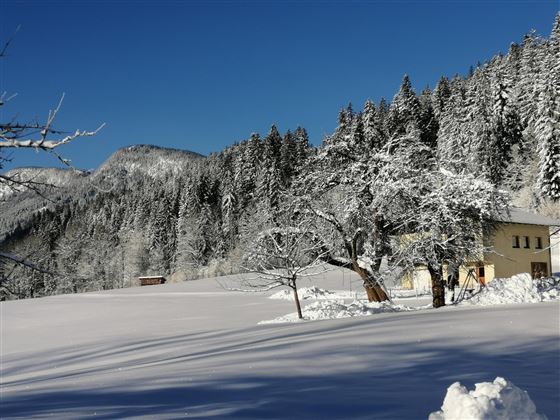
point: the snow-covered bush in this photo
(498, 400)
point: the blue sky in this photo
(202, 75)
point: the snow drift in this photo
(498, 400)
(314, 292)
(338, 309)
(520, 288)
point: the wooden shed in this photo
(151, 280)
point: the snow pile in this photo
(520, 288)
(548, 288)
(316, 293)
(338, 309)
(498, 400)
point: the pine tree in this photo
(303, 146)
(428, 122)
(506, 132)
(441, 96)
(548, 134)
(288, 158)
(404, 112)
(372, 126)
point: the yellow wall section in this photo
(509, 261)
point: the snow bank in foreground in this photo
(498, 400)
(520, 288)
(338, 309)
(317, 293)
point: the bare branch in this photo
(44, 144)
(8, 42)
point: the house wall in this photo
(508, 261)
(420, 279)
(489, 272)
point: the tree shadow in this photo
(411, 384)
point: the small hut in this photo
(151, 280)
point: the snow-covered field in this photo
(195, 350)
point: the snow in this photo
(193, 349)
(497, 400)
(315, 292)
(338, 309)
(332, 304)
(520, 288)
(48, 176)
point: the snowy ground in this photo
(195, 350)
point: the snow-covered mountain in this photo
(57, 187)
(149, 160)
(55, 177)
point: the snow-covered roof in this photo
(523, 217)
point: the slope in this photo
(194, 350)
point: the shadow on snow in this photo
(411, 387)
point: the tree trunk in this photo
(296, 299)
(438, 289)
(375, 293)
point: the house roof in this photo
(523, 217)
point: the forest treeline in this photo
(151, 211)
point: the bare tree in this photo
(280, 256)
(35, 135)
(38, 136)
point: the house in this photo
(521, 244)
(151, 280)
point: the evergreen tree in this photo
(404, 112)
(428, 122)
(506, 132)
(548, 133)
(302, 145)
(441, 96)
(372, 126)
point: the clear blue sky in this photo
(201, 75)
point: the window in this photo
(515, 241)
(526, 243)
(538, 242)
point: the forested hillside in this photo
(149, 210)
